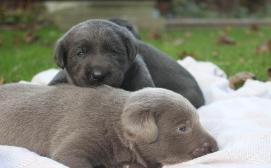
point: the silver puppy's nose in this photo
(205, 148)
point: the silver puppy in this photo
(103, 126)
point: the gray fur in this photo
(102, 126)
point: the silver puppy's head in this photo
(164, 127)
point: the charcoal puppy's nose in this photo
(97, 75)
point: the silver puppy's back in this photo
(44, 109)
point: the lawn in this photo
(22, 55)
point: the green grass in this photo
(20, 60)
(202, 43)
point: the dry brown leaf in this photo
(2, 81)
(1, 42)
(248, 32)
(155, 36)
(227, 29)
(254, 27)
(16, 40)
(269, 73)
(265, 47)
(29, 37)
(242, 60)
(188, 34)
(184, 54)
(260, 34)
(178, 41)
(215, 53)
(223, 39)
(239, 79)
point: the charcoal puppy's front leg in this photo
(60, 77)
(138, 76)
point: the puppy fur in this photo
(98, 52)
(104, 127)
(124, 61)
(165, 72)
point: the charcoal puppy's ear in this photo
(60, 53)
(130, 44)
(138, 121)
(127, 25)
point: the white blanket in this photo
(242, 128)
(15, 157)
(239, 120)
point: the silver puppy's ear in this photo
(138, 122)
(60, 53)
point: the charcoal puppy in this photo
(104, 127)
(98, 52)
(165, 72)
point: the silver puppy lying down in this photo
(102, 126)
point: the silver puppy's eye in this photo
(182, 129)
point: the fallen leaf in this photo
(227, 29)
(155, 36)
(16, 40)
(242, 60)
(265, 47)
(1, 42)
(248, 32)
(215, 53)
(2, 81)
(239, 79)
(254, 27)
(269, 73)
(188, 34)
(223, 39)
(260, 34)
(29, 37)
(178, 41)
(184, 54)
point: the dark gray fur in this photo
(146, 66)
(100, 47)
(165, 72)
(102, 126)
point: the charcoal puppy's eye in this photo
(81, 52)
